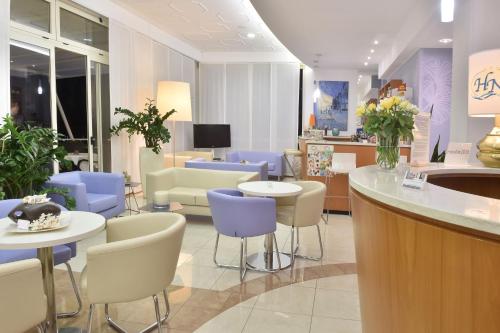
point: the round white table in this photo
(269, 189)
(82, 225)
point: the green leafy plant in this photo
(27, 154)
(436, 156)
(148, 123)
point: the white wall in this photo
(311, 75)
(4, 58)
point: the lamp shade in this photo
(174, 95)
(484, 83)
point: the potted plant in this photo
(149, 124)
(26, 158)
(390, 121)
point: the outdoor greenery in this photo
(26, 160)
(148, 123)
(391, 120)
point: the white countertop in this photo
(458, 208)
(347, 143)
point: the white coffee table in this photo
(82, 225)
(269, 189)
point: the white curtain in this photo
(137, 63)
(259, 101)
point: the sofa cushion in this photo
(201, 198)
(184, 195)
(101, 202)
(271, 166)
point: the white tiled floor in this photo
(332, 306)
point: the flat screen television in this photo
(211, 136)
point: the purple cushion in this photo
(100, 202)
(62, 254)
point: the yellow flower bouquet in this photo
(392, 119)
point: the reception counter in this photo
(338, 187)
(428, 260)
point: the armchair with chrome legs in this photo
(237, 216)
(138, 261)
(303, 211)
(62, 255)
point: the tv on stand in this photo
(211, 136)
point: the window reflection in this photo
(32, 13)
(29, 84)
(82, 30)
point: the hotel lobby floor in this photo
(315, 297)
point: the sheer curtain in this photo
(137, 63)
(259, 101)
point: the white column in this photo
(475, 29)
(4, 59)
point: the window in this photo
(32, 13)
(83, 30)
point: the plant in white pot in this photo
(149, 124)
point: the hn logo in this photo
(485, 84)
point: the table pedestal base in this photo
(263, 262)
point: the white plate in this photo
(64, 221)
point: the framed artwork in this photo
(331, 107)
(319, 159)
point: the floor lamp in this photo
(174, 95)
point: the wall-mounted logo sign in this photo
(484, 83)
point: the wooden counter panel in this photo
(486, 185)
(418, 277)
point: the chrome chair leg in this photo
(157, 313)
(89, 320)
(293, 250)
(77, 295)
(215, 256)
(153, 326)
(292, 244)
(277, 251)
(243, 258)
(41, 328)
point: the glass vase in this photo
(388, 152)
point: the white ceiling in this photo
(208, 25)
(341, 31)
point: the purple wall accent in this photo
(428, 72)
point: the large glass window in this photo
(29, 84)
(83, 30)
(32, 13)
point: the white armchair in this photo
(139, 260)
(23, 304)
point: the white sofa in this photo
(182, 156)
(189, 186)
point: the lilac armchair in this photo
(237, 216)
(96, 192)
(260, 167)
(274, 161)
(62, 255)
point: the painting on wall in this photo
(319, 159)
(331, 107)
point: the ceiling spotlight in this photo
(251, 35)
(375, 42)
(368, 57)
(446, 40)
(372, 51)
(447, 9)
(360, 76)
(366, 64)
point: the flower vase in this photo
(388, 152)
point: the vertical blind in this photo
(259, 101)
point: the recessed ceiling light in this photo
(366, 64)
(375, 42)
(87, 39)
(251, 35)
(372, 51)
(33, 66)
(446, 40)
(368, 57)
(360, 76)
(11, 61)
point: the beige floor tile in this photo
(341, 282)
(337, 304)
(332, 325)
(230, 321)
(231, 278)
(290, 299)
(196, 276)
(263, 321)
(249, 303)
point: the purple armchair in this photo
(96, 192)
(237, 216)
(62, 255)
(274, 161)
